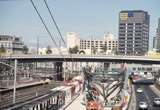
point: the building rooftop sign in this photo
(123, 16)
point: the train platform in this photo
(23, 85)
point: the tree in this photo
(94, 50)
(104, 48)
(74, 50)
(157, 75)
(25, 49)
(48, 50)
(115, 51)
(82, 52)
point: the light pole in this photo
(15, 72)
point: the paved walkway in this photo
(22, 85)
(76, 104)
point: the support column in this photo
(15, 81)
(58, 66)
(106, 66)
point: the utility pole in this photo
(15, 74)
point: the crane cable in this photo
(57, 27)
(54, 41)
(53, 19)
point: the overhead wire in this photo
(48, 31)
(54, 41)
(57, 27)
(53, 19)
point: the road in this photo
(148, 95)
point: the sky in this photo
(85, 17)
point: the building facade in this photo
(11, 44)
(154, 42)
(72, 39)
(157, 40)
(133, 32)
(42, 51)
(107, 45)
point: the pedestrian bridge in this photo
(84, 58)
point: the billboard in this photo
(123, 16)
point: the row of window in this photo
(97, 44)
(130, 28)
(109, 48)
(131, 34)
(130, 31)
(130, 23)
(6, 44)
(83, 41)
(142, 68)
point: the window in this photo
(134, 68)
(139, 69)
(121, 34)
(138, 31)
(121, 27)
(129, 34)
(138, 24)
(130, 27)
(137, 34)
(122, 24)
(130, 23)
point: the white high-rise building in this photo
(72, 39)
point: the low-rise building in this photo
(106, 45)
(11, 44)
(61, 50)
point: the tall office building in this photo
(154, 42)
(133, 32)
(158, 36)
(72, 39)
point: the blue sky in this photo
(86, 17)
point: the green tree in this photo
(94, 50)
(25, 49)
(104, 49)
(74, 50)
(48, 50)
(115, 51)
(157, 75)
(82, 52)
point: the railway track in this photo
(25, 94)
